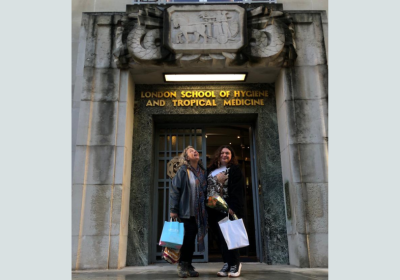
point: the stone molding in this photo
(259, 35)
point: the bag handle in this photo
(177, 219)
(234, 217)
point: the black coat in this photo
(235, 189)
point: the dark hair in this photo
(214, 162)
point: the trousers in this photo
(188, 246)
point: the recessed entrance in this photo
(161, 132)
(170, 142)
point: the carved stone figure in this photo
(186, 27)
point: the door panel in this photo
(169, 143)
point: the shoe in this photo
(192, 272)
(183, 270)
(235, 270)
(224, 270)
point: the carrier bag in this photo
(172, 234)
(171, 255)
(234, 232)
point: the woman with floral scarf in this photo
(187, 195)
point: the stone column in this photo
(302, 105)
(103, 155)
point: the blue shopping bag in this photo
(172, 235)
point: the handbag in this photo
(171, 255)
(172, 234)
(234, 232)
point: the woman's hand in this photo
(173, 215)
(221, 177)
(231, 212)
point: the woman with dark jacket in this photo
(187, 201)
(226, 179)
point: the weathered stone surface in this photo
(79, 165)
(100, 165)
(314, 162)
(82, 114)
(114, 252)
(125, 83)
(124, 116)
(89, 23)
(97, 210)
(317, 207)
(120, 165)
(298, 253)
(318, 249)
(298, 196)
(283, 128)
(286, 166)
(94, 252)
(104, 123)
(309, 118)
(302, 18)
(104, 20)
(103, 48)
(116, 210)
(74, 250)
(76, 199)
(101, 84)
(295, 162)
(310, 45)
(311, 160)
(309, 82)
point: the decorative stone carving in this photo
(145, 44)
(190, 29)
(205, 35)
(140, 36)
(271, 38)
(267, 42)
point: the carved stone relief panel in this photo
(187, 36)
(193, 29)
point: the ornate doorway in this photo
(170, 142)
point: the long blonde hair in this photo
(185, 160)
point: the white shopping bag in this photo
(234, 232)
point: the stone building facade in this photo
(120, 101)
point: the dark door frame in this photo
(254, 176)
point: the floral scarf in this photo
(199, 206)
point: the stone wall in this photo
(302, 102)
(103, 152)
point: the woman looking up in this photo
(226, 179)
(187, 195)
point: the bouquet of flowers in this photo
(218, 203)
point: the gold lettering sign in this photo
(205, 98)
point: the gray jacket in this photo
(179, 193)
